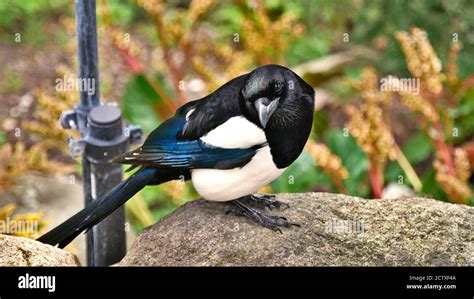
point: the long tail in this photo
(85, 219)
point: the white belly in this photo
(224, 185)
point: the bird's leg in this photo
(271, 222)
(232, 209)
(265, 200)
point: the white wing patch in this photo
(237, 132)
(189, 113)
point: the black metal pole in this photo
(86, 29)
(104, 136)
(89, 70)
(106, 242)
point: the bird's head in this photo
(271, 93)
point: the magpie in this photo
(229, 144)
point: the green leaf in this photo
(305, 49)
(119, 12)
(471, 201)
(320, 123)
(158, 202)
(301, 176)
(431, 187)
(353, 159)
(3, 138)
(416, 149)
(353, 73)
(463, 116)
(139, 102)
(227, 20)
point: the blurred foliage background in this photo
(156, 55)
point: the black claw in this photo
(271, 222)
(265, 200)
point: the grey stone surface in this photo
(337, 230)
(19, 251)
(58, 198)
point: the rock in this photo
(336, 230)
(19, 251)
(59, 199)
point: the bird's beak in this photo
(265, 109)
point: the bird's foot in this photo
(265, 200)
(268, 221)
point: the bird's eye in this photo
(277, 87)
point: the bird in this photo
(230, 144)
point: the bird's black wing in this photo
(162, 149)
(176, 143)
(208, 113)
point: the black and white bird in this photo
(230, 144)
